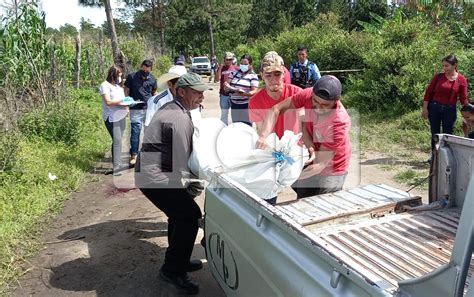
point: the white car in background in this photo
(201, 65)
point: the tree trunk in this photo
(157, 9)
(78, 61)
(113, 33)
(211, 36)
(211, 29)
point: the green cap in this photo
(193, 81)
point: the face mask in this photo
(119, 80)
(244, 68)
(144, 73)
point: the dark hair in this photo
(248, 57)
(468, 108)
(147, 63)
(451, 59)
(173, 81)
(113, 74)
(302, 48)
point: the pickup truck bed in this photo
(381, 245)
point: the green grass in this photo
(29, 199)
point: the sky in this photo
(60, 12)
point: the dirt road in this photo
(110, 242)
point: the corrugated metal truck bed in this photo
(383, 246)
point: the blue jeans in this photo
(441, 115)
(137, 118)
(225, 106)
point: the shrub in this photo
(401, 62)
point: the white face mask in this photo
(244, 68)
(119, 80)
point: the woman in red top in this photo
(441, 96)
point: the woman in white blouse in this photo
(114, 114)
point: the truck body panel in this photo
(369, 241)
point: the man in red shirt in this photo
(221, 76)
(326, 135)
(275, 91)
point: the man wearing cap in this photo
(222, 75)
(163, 176)
(140, 85)
(168, 82)
(275, 91)
(326, 135)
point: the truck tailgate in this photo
(383, 248)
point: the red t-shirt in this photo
(447, 92)
(225, 71)
(329, 130)
(261, 102)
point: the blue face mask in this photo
(244, 68)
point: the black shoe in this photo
(194, 264)
(182, 283)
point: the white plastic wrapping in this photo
(232, 150)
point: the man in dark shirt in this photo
(163, 176)
(139, 85)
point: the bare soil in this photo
(111, 242)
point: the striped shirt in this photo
(242, 81)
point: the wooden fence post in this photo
(78, 60)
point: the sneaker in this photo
(133, 159)
(194, 264)
(182, 283)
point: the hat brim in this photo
(201, 88)
(165, 78)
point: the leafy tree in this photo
(68, 29)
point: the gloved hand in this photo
(195, 188)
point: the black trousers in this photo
(317, 185)
(183, 214)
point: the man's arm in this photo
(315, 73)
(322, 158)
(217, 77)
(127, 85)
(465, 129)
(270, 121)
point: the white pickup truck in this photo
(368, 241)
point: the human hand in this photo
(308, 172)
(424, 113)
(195, 188)
(312, 156)
(261, 143)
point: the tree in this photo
(68, 29)
(118, 56)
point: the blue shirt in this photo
(312, 77)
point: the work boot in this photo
(133, 159)
(194, 264)
(182, 283)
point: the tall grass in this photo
(29, 198)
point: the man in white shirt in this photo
(167, 81)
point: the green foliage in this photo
(58, 123)
(134, 50)
(28, 197)
(401, 61)
(162, 64)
